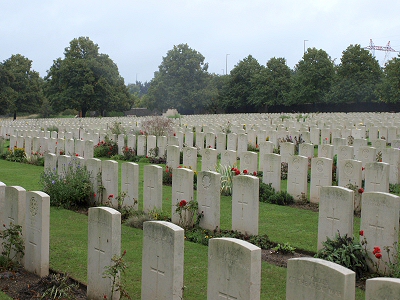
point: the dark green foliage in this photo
(267, 194)
(281, 198)
(72, 190)
(86, 80)
(12, 246)
(202, 236)
(344, 251)
(388, 89)
(106, 148)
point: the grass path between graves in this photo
(68, 238)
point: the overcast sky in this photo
(137, 34)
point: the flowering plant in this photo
(187, 210)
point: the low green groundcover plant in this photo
(12, 246)
(268, 194)
(344, 251)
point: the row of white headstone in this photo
(234, 266)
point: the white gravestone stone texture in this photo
(380, 224)
(209, 159)
(162, 261)
(173, 156)
(234, 270)
(383, 288)
(318, 279)
(109, 175)
(37, 233)
(245, 204)
(152, 188)
(190, 158)
(249, 161)
(208, 198)
(272, 170)
(321, 175)
(336, 210)
(377, 177)
(130, 184)
(297, 177)
(104, 241)
(182, 189)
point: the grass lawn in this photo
(68, 246)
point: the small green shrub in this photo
(74, 189)
(13, 246)
(344, 251)
(265, 192)
(281, 198)
(167, 176)
(52, 128)
(17, 156)
(106, 148)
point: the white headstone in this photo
(321, 175)
(130, 184)
(234, 270)
(272, 170)
(37, 233)
(297, 177)
(208, 198)
(336, 210)
(109, 175)
(382, 288)
(245, 204)
(104, 241)
(162, 261)
(152, 187)
(377, 177)
(317, 279)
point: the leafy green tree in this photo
(272, 85)
(86, 80)
(240, 84)
(20, 87)
(312, 78)
(358, 75)
(389, 89)
(180, 82)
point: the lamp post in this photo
(305, 46)
(226, 64)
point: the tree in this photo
(312, 78)
(180, 82)
(272, 85)
(357, 77)
(389, 89)
(20, 87)
(240, 84)
(86, 80)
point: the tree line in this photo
(86, 80)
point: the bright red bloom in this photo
(362, 169)
(174, 134)
(255, 173)
(76, 154)
(362, 232)
(182, 203)
(237, 172)
(360, 190)
(179, 167)
(376, 250)
(378, 255)
(245, 172)
(111, 196)
(94, 195)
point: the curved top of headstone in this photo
(239, 242)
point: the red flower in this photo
(124, 253)
(255, 173)
(94, 195)
(376, 250)
(147, 156)
(111, 196)
(182, 203)
(76, 154)
(378, 255)
(209, 146)
(245, 172)
(362, 169)
(237, 172)
(179, 167)
(362, 232)
(360, 190)
(174, 134)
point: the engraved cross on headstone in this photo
(158, 272)
(376, 227)
(334, 220)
